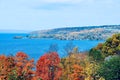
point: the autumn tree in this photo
(70, 60)
(7, 65)
(47, 67)
(111, 46)
(77, 73)
(24, 66)
(17, 67)
(71, 64)
(91, 68)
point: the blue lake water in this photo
(37, 47)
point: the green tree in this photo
(96, 55)
(110, 69)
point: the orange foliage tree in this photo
(17, 67)
(47, 67)
(6, 67)
(73, 67)
(77, 73)
(24, 66)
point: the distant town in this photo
(75, 33)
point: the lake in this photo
(37, 47)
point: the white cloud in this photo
(61, 1)
(66, 1)
(57, 1)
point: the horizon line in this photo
(25, 31)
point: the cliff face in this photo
(78, 33)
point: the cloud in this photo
(42, 2)
(66, 1)
(32, 14)
(49, 4)
(61, 1)
(56, 4)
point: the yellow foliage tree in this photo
(73, 66)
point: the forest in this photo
(99, 63)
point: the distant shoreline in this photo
(71, 33)
(78, 33)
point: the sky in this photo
(47, 14)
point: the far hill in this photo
(78, 33)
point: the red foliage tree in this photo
(47, 67)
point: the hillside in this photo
(78, 33)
